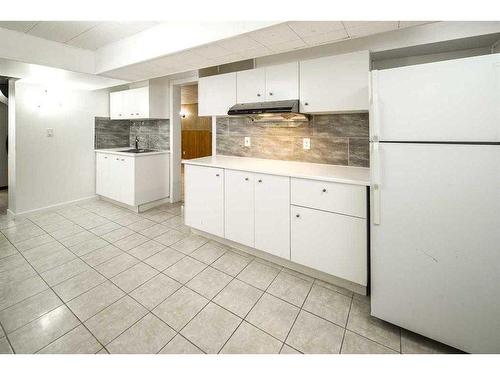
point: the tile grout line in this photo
(244, 318)
(345, 329)
(64, 304)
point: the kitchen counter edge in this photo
(312, 171)
(119, 151)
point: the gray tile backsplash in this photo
(340, 139)
(152, 134)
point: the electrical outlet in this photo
(306, 143)
(247, 141)
(50, 132)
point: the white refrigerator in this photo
(435, 200)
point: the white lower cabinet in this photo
(316, 224)
(132, 180)
(239, 207)
(204, 199)
(330, 242)
(272, 214)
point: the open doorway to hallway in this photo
(4, 120)
(196, 131)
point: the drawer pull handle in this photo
(217, 175)
(298, 215)
(324, 190)
(246, 178)
(260, 180)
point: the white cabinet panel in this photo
(103, 177)
(204, 199)
(332, 243)
(335, 83)
(123, 173)
(116, 105)
(151, 101)
(216, 94)
(272, 214)
(239, 207)
(251, 86)
(282, 82)
(329, 196)
(455, 100)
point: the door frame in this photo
(176, 135)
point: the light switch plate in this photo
(247, 141)
(50, 132)
(306, 143)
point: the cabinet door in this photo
(282, 82)
(102, 177)
(116, 105)
(335, 83)
(141, 102)
(251, 86)
(126, 180)
(329, 242)
(204, 199)
(216, 94)
(272, 214)
(239, 207)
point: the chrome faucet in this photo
(136, 143)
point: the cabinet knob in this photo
(217, 175)
(137, 114)
(260, 180)
(131, 114)
(117, 158)
(298, 215)
(324, 190)
(306, 103)
(105, 157)
(119, 114)
(246, 178)
(270, 94)
(258, 94)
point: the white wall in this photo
(3, 150)
(58, 169)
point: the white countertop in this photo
(323, 172)
(119, 151)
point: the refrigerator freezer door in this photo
(455, 100)
(435, 255)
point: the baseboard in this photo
(346, 284)
(140, 208)
(53, 207)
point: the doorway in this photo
(4, 121)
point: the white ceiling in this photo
(284, 37)
(89, 35)
(280, 37)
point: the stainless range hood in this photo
(282, 110)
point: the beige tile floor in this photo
(95, 278)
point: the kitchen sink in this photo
(138, 150)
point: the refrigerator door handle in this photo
(375, 185)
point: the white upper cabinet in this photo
(151, 101)
(251, 85)
(277, 82)
(216, 94)
(282, 82)
(335, 83)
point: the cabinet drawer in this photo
(329, 242)
(329, 196)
